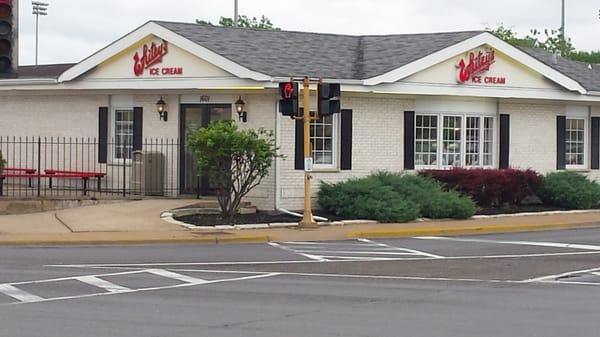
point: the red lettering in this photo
(151, 55)
(478, 64)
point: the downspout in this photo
(278, 171)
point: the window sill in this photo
(326, 170)
(578, 169)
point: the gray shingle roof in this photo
(43, 71)
(286, 53)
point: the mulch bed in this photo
(246, 219)
(532, 208)
(277, 217)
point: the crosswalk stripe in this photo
(176, 276)
(104, 284)
(19, 294)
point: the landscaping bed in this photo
(260, 217)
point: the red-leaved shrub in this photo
(489, 187)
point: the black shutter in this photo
(595, 143)
(299, 151)
(504, 141)
(409, 140)
(138, 127)
(346, 139)
(102, 134)
(561, 145)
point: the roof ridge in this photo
(316, 33)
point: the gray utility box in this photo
(147, 173)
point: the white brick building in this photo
(409, 102)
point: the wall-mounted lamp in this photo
(239, 107)
(161, 107)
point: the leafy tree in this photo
(2, 162)
(234, 160)
(244, 22)
(550, 40)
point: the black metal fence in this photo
(72, 167)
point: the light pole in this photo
(39, 8)
(235, 13)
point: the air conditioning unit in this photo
(147, 173)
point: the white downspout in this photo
(278, 171)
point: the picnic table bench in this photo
(51, 174)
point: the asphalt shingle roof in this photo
(287, 53)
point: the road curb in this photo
(467, 230)
(209, 239)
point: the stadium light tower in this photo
(39, 8)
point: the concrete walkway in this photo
(139, 222)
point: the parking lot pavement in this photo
(487, 285)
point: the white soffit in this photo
(152, 28)
(472, 43)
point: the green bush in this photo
(423, 196)
(366, 199)
(570, 190)
(2, 162)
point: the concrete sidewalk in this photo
(139, 222)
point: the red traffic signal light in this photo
(329, 99)
(7, 42)
(288, 101)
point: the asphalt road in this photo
(531, 284)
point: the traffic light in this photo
(329, 99)
(7, 42)
(288, 102)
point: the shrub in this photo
(570, 190)
(489, 187)
(366, 199)
(2, 162)
(234, 160)
(409, 195)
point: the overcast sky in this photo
(74, 29)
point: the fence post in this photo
(39, 166)
(124, 176)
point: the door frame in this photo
(204, 188)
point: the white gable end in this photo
(503, 72)
(155, 58)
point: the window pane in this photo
(575, 141)
(321, 138)
(123, 133)
(451, 143)
(425, 140)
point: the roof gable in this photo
(152, 29)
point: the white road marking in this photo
(250, 263)
(521, 243)
(309, 256)
(553, 278)
(132, 291)
(100, 283)
(18, 294)
(175, 276)
(415, 252)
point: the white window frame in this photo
(463, 153)
(335, 152)
(586, 144)
(438, 150)
(114, 134)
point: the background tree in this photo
(235, 161)
(549, 39)
(244, 22)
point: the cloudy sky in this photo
(75, 29)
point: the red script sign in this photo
(151, 55)
(478, 64)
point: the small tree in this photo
(2, 162)
(243, 22)
(234, 160)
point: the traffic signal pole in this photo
(307, 220)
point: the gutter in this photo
(29, 81)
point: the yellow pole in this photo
(307, 219)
